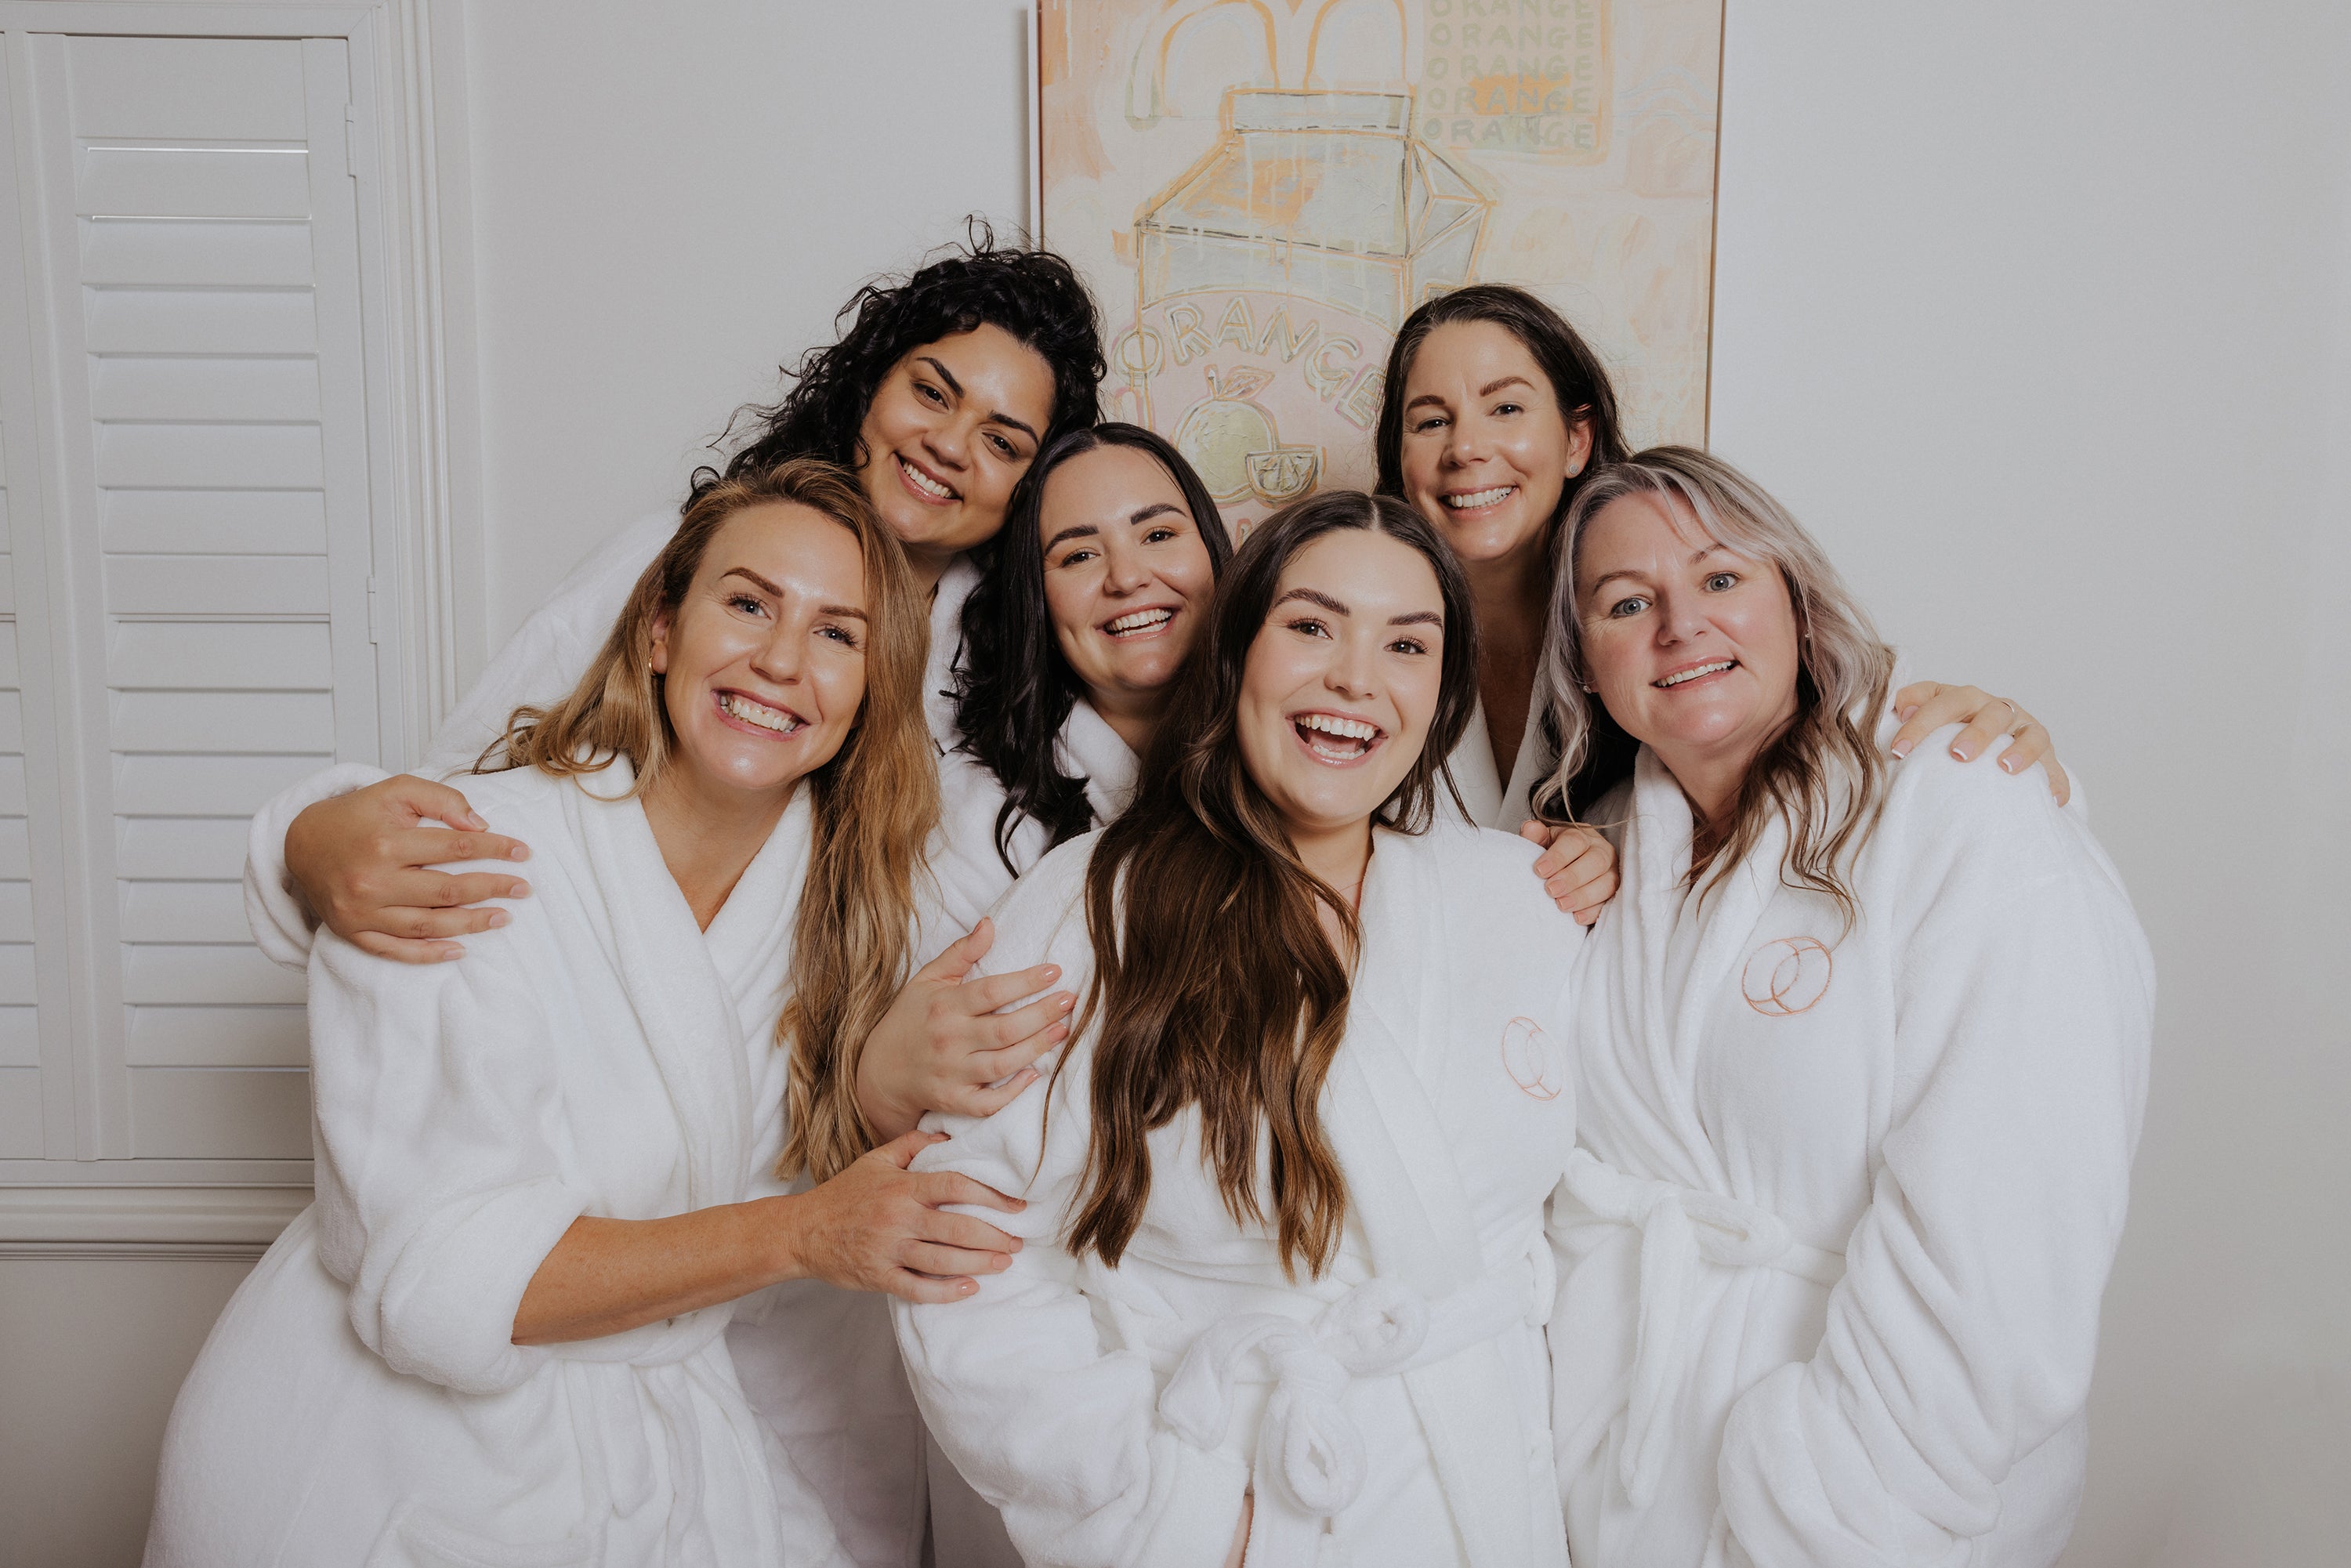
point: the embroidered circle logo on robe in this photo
(1527, 1057)
(1784, 978)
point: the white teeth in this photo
(760, 714)
(1141, 620)
(1345, 729)
(1479, 497)
(1678, 678)
(924, 482)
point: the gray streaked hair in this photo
(1822, 773)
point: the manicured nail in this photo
(966, 1287)
(2008, 764)
(498, 918)
(1902, 748)
(1959, 755)
(448, 952)
(519, 852)
(1069, 1002)
(518, 890)
(1052, 972)
(1904, 713)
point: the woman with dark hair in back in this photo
(1495, 411)
(1308, 1120)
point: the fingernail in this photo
(518, 890)
(497, 917)
(1053, 971)
(1904, 713)
(966, 1287)
(1957, 754)
(449, 954)
(519, 852)
(1069, 1002)
(1902, 749)
(2008, 764)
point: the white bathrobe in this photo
(1494, 801)
(1391, 1411)
(970, 874)
(361, 1399)
(1830, 1287)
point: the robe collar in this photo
(947, 651)
(1492, 802)
(1088, 749)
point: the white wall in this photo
(2040, 315)
(670, 200)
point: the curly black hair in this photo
(1014, 687)
(1032, 293)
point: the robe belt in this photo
(1311, 1461)
(1679, 1228)
(642, 1378)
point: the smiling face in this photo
(1342, 682)
(950, 431)
(1692, 647)
(763, 661)
(1486, 450)
(1127, 575)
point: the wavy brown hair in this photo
(1214, 983)
(873, 802)
(1822, 773)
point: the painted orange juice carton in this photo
(1271, 277)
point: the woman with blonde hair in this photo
(548, 1176)
(1862, 1055)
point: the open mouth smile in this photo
(1694, 673)
(749, 714)
(922, 483)
(1334, 739)
(1474, 500)
(1139, 623)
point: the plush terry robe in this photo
(1830, 1288)
(361, 1399)
(970, 875)
(1389, 1412)
(1494, 801)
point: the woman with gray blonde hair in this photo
(1862, 1056)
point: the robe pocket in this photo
(417, 1538)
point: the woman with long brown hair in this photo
(547, 1176)
(1284, 1269)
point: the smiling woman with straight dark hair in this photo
(1314, 1105)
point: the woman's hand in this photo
(1926, 706)
(361, 860)
(1578, 866)
(943, 1047)
(878, 1225)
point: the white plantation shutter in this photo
(194, 319)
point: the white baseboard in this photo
(144, 1222)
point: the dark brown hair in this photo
(1577, 379)
(875, 802)
(1214, 983)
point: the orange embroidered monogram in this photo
(1786, 977)
(1527, 1057)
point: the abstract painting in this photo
(1260, 191)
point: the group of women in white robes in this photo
(1204, 1388)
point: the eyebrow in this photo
(844, 611)
(1089, 531)
(1314, 596)
(995, 415)
(1488, 389)
(1613, 576)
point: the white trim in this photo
(145, 1222)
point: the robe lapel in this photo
(682, 1002)
(1088, 749)
(1473, 765)
(946, 646)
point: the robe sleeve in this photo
(1963, 1333)
(441, 1188)
(539, 664)
(1060, 1434)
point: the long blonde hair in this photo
(874, 804)
(1822, 773)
